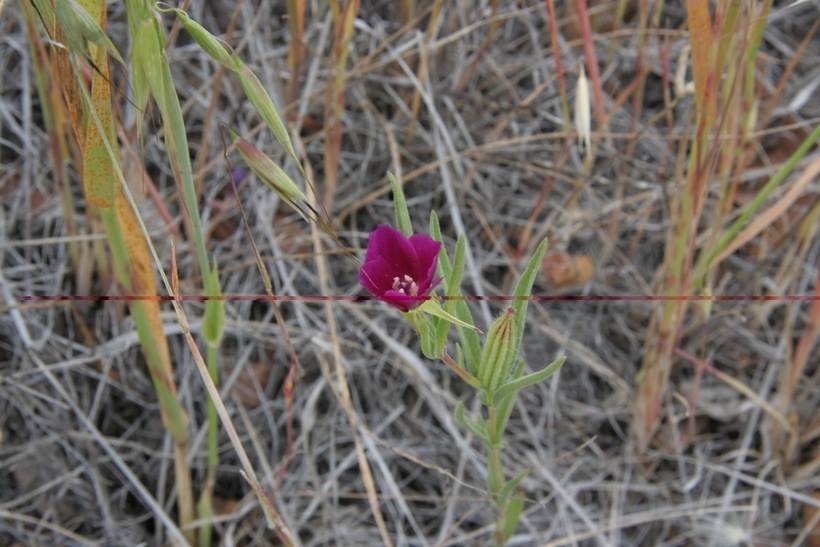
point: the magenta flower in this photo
(400, 270)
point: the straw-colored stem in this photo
(343, 19)
(296, 49)
(591, 62)
(559, 67)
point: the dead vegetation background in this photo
(81, 437)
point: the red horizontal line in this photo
(364, 298)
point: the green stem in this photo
(205, 506)
(212, 360)
(495, 473)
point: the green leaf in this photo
(479, 430)
(459, 355)
(523, 290)
(443, 268)
(402, 215)
(435, 232)
(530, 379)
(426, 331)
(453, 289)
(457, 272)
(81, 29)
(504, 405)
(512, 484)
(512, 516)
(705, 262)
(147, 58)
(45, 9)
(469, 339)
(433, 308)
(442, 328)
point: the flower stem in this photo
(463, 373)
(495, 472)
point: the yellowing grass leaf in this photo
(98, 171)
(143, 281)
(700, 35)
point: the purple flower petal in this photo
(400, 270)
(375, 274)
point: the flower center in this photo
(405, 286)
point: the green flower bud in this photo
(498, 354)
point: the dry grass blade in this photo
(768, 216)
(296, 49)
(343, 19)
(338, 379)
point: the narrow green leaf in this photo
(523, 290)
(453, 288)
(147, 58)
(80, 29)
(530, 379)
(469, 339)
(512, 484)
(478, 430)
(435, 233)
(176, 140)
(512, 516)
(425, 329)
(504, 405)
(457, 272)
(433, 308)
(459, 355)
(705, 264)
(45, 10)
(402, 214)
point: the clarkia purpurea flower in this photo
(400, 270)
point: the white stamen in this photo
(405, 286)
